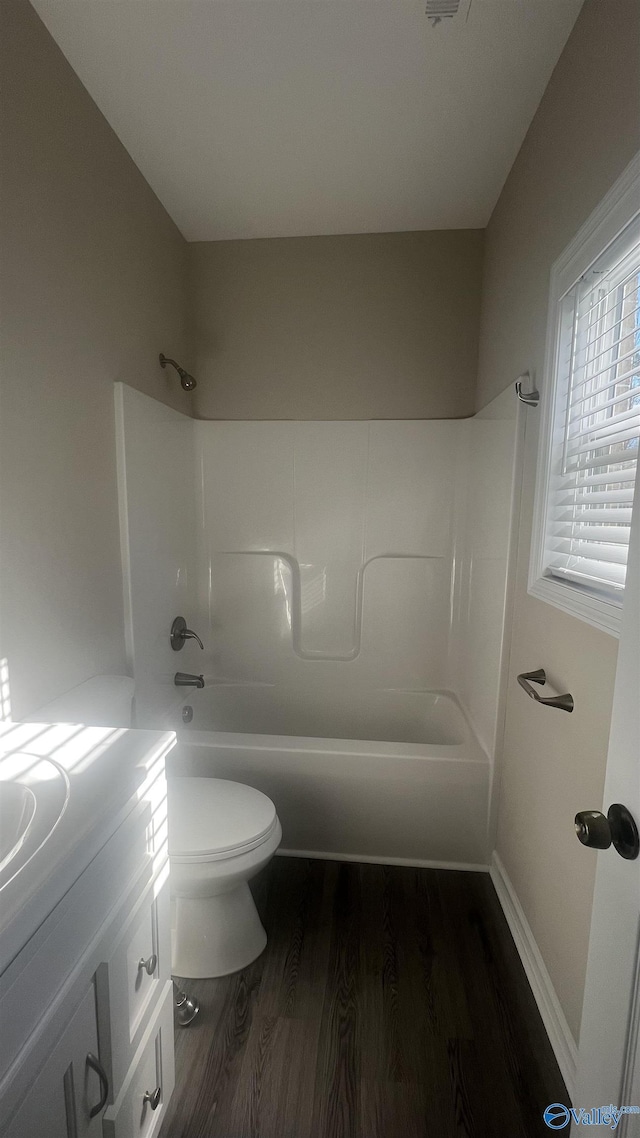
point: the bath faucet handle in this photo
(180, 633)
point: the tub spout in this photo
(184, 680)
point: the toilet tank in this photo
(102, 701)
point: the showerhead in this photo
(187, 381)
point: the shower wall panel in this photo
(336, 554)
(326, 549)
(156, 457)
(485, 526)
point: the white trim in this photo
(615, 211)
(577, 602)
(553, 1018)
(373, 859)
(618, 207)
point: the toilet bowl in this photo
(220, 835)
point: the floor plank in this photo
(389, 1002)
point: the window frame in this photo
(617, 209)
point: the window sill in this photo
(605, 615)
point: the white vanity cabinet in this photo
(67, 1089)
(139, 1110)
(86, 1006)
(130, 983)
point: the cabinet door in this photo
(66, 1089)
(141, 1106)
(131, 982)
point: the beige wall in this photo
(359, 327)
(586, 130)
(93, 287)
(332, 327)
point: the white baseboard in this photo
(553, 1018)
(370, 859)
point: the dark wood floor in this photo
(389, 1002)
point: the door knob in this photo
(153, 1098)
(618, 828)
(593, 829)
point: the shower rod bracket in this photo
(530, 398)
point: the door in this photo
(609, 1056)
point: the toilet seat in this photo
(211, 819)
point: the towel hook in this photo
(531, 398)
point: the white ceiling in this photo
(271, 118)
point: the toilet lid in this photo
(210, 817)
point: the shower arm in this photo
(164, 360)
(187, 381)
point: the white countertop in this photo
(105, 771)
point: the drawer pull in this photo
(95, 1065)
(153, 1098)
(149, 965)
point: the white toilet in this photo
(220, 835)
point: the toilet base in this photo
(216, 935)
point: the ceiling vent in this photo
(439, 10)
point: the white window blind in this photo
(596, 422)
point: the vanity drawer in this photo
(131, 981)
(139, 1110)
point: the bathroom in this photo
(355, 227)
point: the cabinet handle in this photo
(153, 1098)
(148, 965)
(95, 1065)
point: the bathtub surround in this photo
(586, 131)
(327, 550)
(345, 553)
(155, 457)
(332, 554)
(369, 326)
(93, 285)
(345, 571)
(485, 549)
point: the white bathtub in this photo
(378, 775)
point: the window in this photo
(591, 421)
